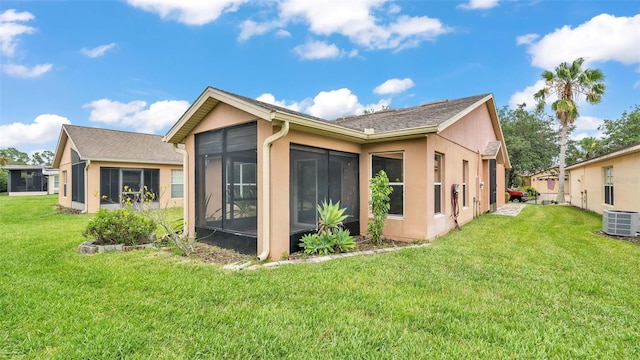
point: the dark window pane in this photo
(241, 138)
(209, 142)
(437, 196)
(390, 163)
(396, 200)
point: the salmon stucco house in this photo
(607, 182)
(98, 168)
(255, 172)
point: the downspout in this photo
(86, 187)
(266, 189)
(185, 185)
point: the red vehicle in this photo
(517, 195)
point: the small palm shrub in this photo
(120, 226)
(331, 237)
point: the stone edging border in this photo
(317, 259)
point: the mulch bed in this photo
(216, 255)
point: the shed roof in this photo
(115, 145)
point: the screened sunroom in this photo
(319, 175)
(226, 187)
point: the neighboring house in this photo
(546, 182)
(99, 168)
(31, 180)
(256, 172)
(607, 182)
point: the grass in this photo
(540, 285)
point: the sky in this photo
(137, 65)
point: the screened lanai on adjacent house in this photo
(100, 168)
(255, 172)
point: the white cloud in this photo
(12, 15)
(479, 4)
(365, 23)
(314, 50)
(587, 126)
(526, 96)
(527, 39)
(11, 29)
(45, 128)
(189, 12)
(328, 105)
(603, 38)
(98, 51)
(335, 103)
(283, 33)
(250, 28)
(136, 115)
(394, 86)
(270, 99)
(24, 71)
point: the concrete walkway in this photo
(510, 209)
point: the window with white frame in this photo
(465, 181)
(177, 184)
(437, 183)
(244, 180)
(393, 165)
(608, 185)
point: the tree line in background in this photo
(533, 140)
(13, 156)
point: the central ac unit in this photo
(621, 223)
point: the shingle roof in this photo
(103, 144)
(269, 106)
(492, 149)
(430, 114)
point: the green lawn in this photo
(540, 285)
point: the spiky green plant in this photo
(330, 216)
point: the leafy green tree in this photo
(11, 155)
(3, 180)
(532, 141)
(583, 149)
(44, 158)
(622, 132)
(569, 83)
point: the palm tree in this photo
(569, 83)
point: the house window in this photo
(117, 184)
(608, 185)
(56, 182)
(319, 175)
(177, 184)
(225, 186)
(393, 164)
(244, 180)
(437, 181)
(64, 183)
(465, 181)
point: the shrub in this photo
(506, 197)
(379, 205)
(531, 192)
(330, 237)
(120, 226)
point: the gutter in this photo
(185, 185)
(86, 188)
(266, 186)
